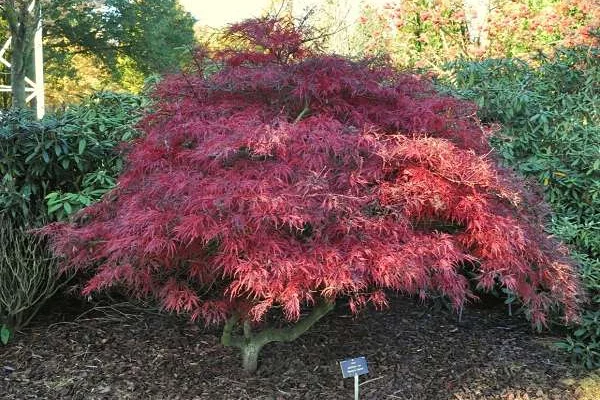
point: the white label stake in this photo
(354, 367)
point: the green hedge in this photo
(53, 167)
(550, 119)
(49, 170)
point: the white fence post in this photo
(38, 55)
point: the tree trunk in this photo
(250, 352)
(23, 23)
(476, 16)
(18, 71)
(250, 344)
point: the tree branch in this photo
(247, 330)
(227, 339)
(288, 334)
(251, 344)
(11, 18)
(291, 333)
(304, 111)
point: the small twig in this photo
(372, 380)
(63, 323)
(106, 310)
(304, 111)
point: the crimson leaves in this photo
(288, 176)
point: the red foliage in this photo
(288, 176)
(429, 33)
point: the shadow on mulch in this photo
(123, 352)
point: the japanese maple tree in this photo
(289, 179)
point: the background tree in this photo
(125, 40)
(4, 72)
(429, 33)
(152, 33)
(476, 16)
(22, 17)
(349, 180)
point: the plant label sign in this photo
(354, 367)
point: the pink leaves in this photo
(283, 178)
(178, 297)
(277, 38)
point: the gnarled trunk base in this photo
(250, 344)
(250, 353)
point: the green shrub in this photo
(55, 166)
(29, 275)
(49, 170)
(550, 117)
(584, 341)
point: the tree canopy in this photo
(122, 36)
(289, 178)
(151, 32)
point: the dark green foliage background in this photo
(550, 117)
(155, 34)
(51, 168)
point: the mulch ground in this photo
(414, 353)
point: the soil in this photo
(413, 353)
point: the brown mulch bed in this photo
(414, 353)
